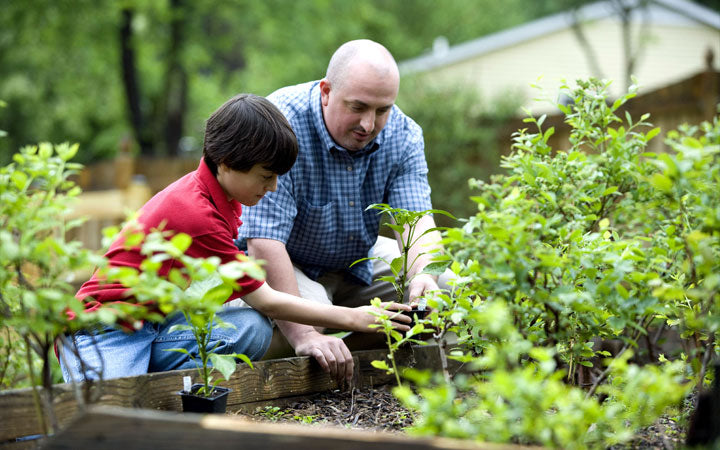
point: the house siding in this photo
(673, 52)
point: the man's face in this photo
(246, 187)
(357, 110)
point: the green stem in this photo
(36, 394)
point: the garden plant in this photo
(401, 266)
(600, 242)
(196, 288)
(404, 223)
(37, 265)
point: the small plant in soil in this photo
(196, 288)
(404, 223)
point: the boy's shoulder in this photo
(183, 206)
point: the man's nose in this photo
(368, 122)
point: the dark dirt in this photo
(376, 409)
(373, 409)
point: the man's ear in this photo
(324, 91)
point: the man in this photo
(248, 143)
(356, 148)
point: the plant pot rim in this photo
(217, 391)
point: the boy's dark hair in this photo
(249, 130)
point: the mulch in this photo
(370, 409)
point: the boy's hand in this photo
(390, 309)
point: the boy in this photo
(248, 143)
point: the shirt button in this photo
(349, 168)
(351, 237)
(351, 203)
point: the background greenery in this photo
(143, 75)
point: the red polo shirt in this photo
(196, 205)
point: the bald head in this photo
(372, 57)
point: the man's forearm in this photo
(295, 332)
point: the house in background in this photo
(672, 40)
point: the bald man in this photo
(356, 148)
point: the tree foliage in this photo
(104, 72)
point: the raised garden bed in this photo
(128, 410)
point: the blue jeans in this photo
(120, 354)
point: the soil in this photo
(376, 409)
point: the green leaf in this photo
(661, 182)
(20, 180)
(610, 190)
(178, 350)
(549, 132)
(244, 359)
(218, 295)
(652, 133)
(181, 241)
(437, 268)
(397, 265)
(225, 364)
(622, 291)
(382, 365)
(397, 228)
(180, 327)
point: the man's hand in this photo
(330, 352)
(420, 284)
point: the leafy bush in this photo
(520, 396)
(569, 248)
(37, 263)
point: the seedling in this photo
(197, 289)
(395, 339)
(404, 223)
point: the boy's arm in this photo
(331, 353)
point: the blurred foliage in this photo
(461, 131)
(61, 72)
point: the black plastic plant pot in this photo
(217, 403)
(416, 312)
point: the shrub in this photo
(570, 247)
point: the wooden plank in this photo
(121, 429)
(269, 380)
(108, 204)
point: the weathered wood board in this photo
(106, 428)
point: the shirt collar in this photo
(326, 139)
(229, 209)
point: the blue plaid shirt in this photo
(318, 210)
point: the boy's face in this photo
(246, 187)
